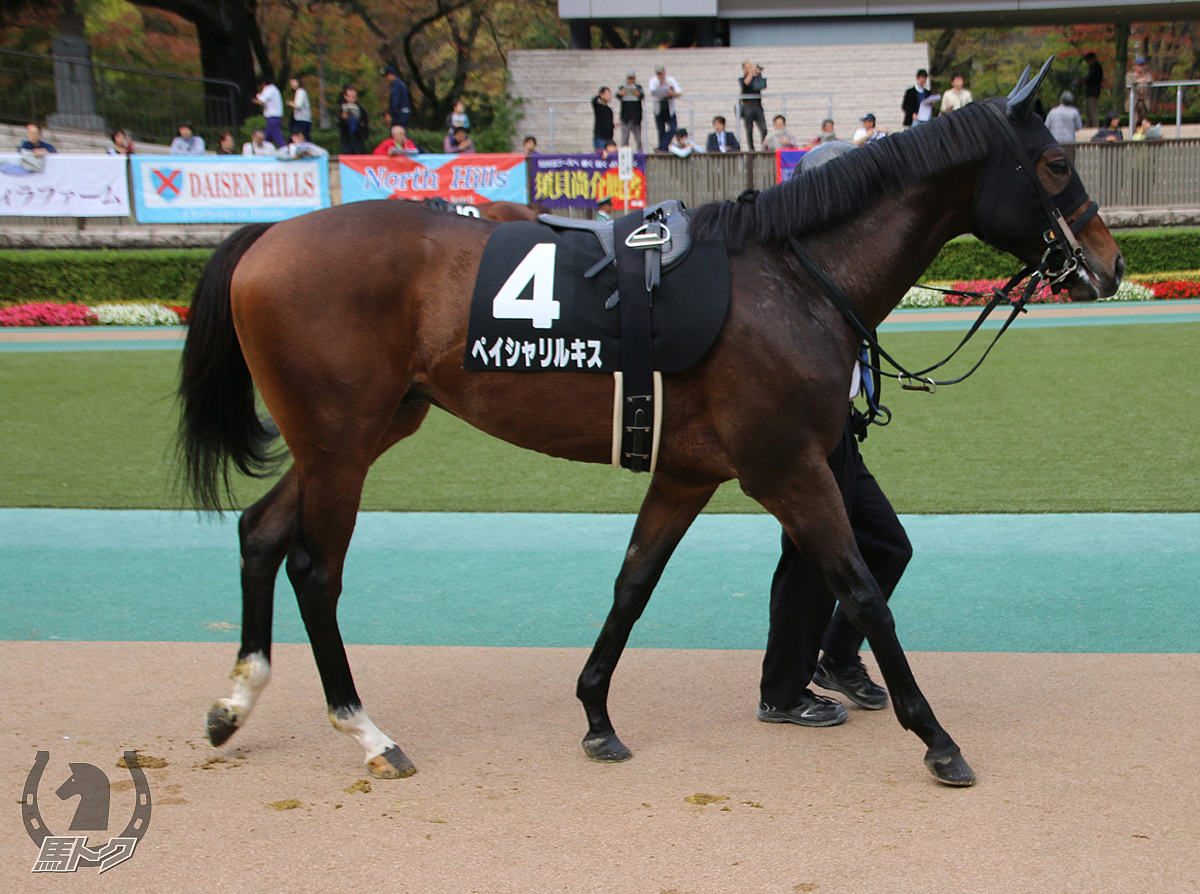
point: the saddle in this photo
(633, 297)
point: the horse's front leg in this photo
(670, 507)
(810, 508)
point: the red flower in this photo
(45, 314)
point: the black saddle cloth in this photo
(569, 328)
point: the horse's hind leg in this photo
(330, 491)
(670, 507)
(812, 513)
(264, 532)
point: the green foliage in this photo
(93, 277)
(1145, 251)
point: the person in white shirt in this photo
(956, 97)
(301, 109)
(258, 145)
(187, 143)
(300, 148)
(271, 101)
(663, 90)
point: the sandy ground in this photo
(1089, 776)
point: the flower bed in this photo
(1129, 290)
(111, 314)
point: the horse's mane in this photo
(851, 183)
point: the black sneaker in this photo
(811, 710)
(852, 681)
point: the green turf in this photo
(1070, 419)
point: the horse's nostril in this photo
(1120, 269)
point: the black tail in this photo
(218, 422)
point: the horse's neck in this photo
(879, 255)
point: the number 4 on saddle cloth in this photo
(631, 298)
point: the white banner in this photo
(67, 186)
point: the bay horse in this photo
(352, 322)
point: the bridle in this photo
(1062, 259)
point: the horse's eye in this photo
(1059, 168)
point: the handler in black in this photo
(801, 603)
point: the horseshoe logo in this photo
(39, 832)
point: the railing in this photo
(707, 177)
(811, 107)
(149, 104)
(1143, 174)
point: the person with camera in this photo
(352, 124)
(752, 84)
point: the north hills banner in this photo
(473, 179)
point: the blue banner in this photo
(226, 189)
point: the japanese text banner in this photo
(67, 186)
(580, 181)
(237, 189)
(471, 179)
(786, 162)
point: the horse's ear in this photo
(1021, 100)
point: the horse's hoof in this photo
(950, 769)
(392, 764)
(607, 749)
(220, 724)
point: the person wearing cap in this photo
(682, 145)
(271, 101)
(956, 97)
(663, 91)
(868, 133)
(1063, 120)
(604, 209)
(779, 138)
(631, 95)
(187, 143)
(398, 99)
(1139, 80)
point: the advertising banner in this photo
(580, 181)
(786, 162)
(226, 189)
(67, 186)
(474, 179)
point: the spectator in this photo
(663, 91)
(530, 145)
(33, 141)
(271, 101)
(752, 84)
(868, 133)
(825, 135)
(459, 142)
(720, 140)
(258, 145)
(682, 145)
(956, 97)
(121, 143)
(1147, 130)
(779, 138)
(301, 109)
(914, 96)
(397, 143)
(1139, 80)
(352, 124)
(187, 143)
(458, 118)
(631, 95)
(300, 148)
(1111, 131)
(225, 143)
(604, 209)
(1064, 120)
(602, 119)
(1093, 83)
(399, 103)
(609, 152)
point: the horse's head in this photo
(1029, 201)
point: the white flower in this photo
(1131, 291)
(116, 314)
(918, 297)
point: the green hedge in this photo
(93, 277)
(1145, 251)
(168, 276)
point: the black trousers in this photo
(801, 603)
